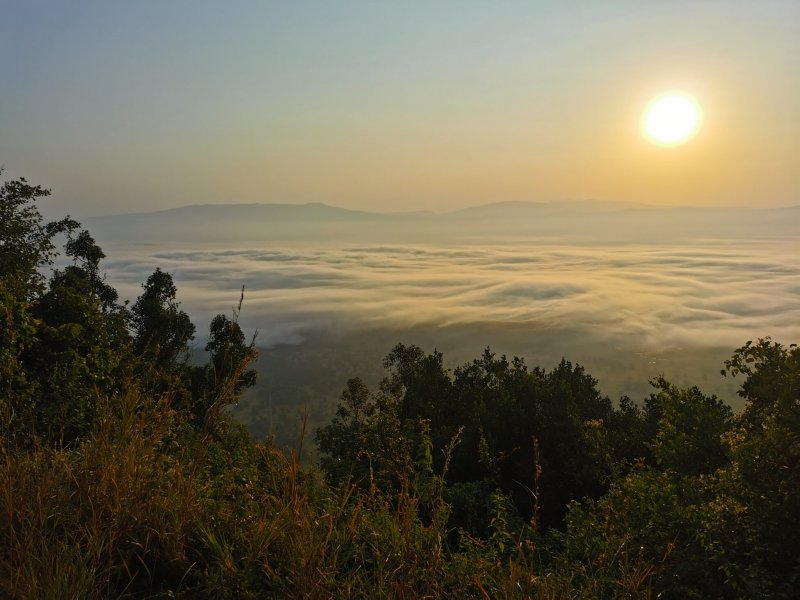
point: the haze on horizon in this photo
(136, 107)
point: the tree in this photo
(642, 539)
(498, 410)
(229, 352)
(772, 384)
(17, 332)
(161, 332)
(764, 476)
(82, 347)
(365, 440)
(64, 340)
(226, 375)
(420, 382)
(87, 256)
(31, 322)
(687, 429)
(26, 241)
(714, 516)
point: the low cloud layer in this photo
(712, 293)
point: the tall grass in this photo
(149, 506)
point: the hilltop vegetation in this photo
(123, 474)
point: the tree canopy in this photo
(67, 341)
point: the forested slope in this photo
(124, 476)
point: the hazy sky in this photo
(124, 107)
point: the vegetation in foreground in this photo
(123, 475)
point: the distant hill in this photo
(310, 211)
(517, 207)
(243, 222)
(576, 220)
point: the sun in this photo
(671, 119)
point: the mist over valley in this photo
(628, 291)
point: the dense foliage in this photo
(123, 475)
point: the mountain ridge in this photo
(581, 221)
(502, 205)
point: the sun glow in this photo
(671, 119)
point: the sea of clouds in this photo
(715, 292)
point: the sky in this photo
(140, 106)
